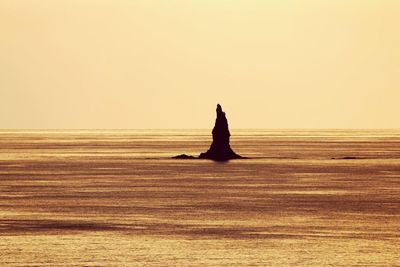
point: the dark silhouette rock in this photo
(220, 149)
(184, 156)
(347, 158)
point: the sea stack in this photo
(220, 149)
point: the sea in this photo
(117, 198)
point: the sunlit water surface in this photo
(115, 198)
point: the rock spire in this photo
(220, 149)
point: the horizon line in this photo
(129, 129)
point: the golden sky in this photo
(166, 64)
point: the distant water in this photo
(115, 198)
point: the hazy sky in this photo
(166, 64)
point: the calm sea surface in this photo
(115, 198)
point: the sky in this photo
(130, 64)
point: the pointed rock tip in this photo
(219, 108)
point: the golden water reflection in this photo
(93, 198)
